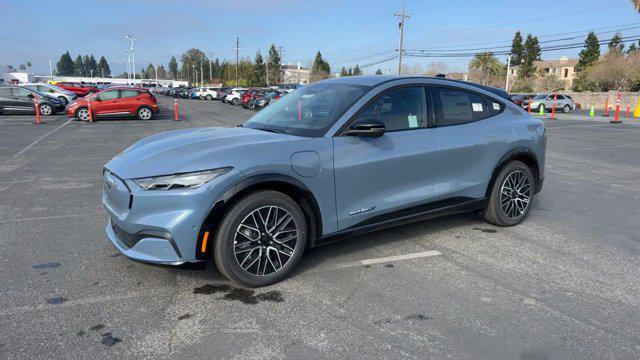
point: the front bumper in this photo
(161, 227)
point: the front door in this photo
(23, 99)
(107, 103)
(380, 176)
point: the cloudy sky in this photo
(346, 32)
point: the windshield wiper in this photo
(272, 130)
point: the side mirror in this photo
(30, 96)
(367, 128)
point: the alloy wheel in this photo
(515, 194)
(144, 114)
(265, 240)
(83, 114)
(45, 110)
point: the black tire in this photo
(231, 263)
(209, 97)
(64, 100)
(144, 113)
(235, 101)
(566, 109)
(495, 213)
(46, 110)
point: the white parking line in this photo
(400, 257)
(40, 139)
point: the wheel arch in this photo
(522, 154)
(286, 184)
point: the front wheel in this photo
(144, 113)
(209, 97)
(83, 114)
(235, 101)
(261, 239)
(511, 195)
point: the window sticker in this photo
(413, 121)
(477, 107)
(496, 106)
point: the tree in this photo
(103, 67)
(273, 64)
(90, 65)
(343, 72)
(11, 68)
(173, 68)
(616, 44)
(150, 72)
(350, 72)
(378, 72)
(636, 4)
(633, 48)
(258, 74)
(357, 71)
(191, 60)
(616, 71)
(320, 69)
(550, 82)
(162, 73)
(591, 52)
(65, 66)
(22, 67)
(531, 54)
(78, 66)
(517, 49)
(487, 65)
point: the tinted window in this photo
(129, 93)
(459, 107)
(5, 92)
(399, 109)
(560, 97)
(109, 95)
(45, 89)
(21, 92)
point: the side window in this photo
(45, 89)
(5, 92)
(560, 97)
(109, 95)
(129, 93)
(459, 107)
(494, 107)
(20, 92)
(399, 109)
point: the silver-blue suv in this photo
(330, 160)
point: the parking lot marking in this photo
(40, 139)
(400, 257)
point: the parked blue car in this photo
(331, 160)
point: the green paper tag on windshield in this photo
(413, 121)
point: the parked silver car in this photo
(54, 91)
(563, 102)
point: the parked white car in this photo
(234, 96)
(209, 93)
(53, 91)
(545, 101)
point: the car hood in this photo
(196, 149)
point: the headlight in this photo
(180, 181)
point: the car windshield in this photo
(309, 111)
(540, 97)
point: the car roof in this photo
(375, 80)
(122, 87)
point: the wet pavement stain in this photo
(388, 265)
(47, 265)
(184, 317)
(367, 266)
(56, 300)
(97, 327)
(484, 230)
(245, 296)
(109, 340)
(419, 317)
(80, 333)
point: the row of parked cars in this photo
(249, 98)
(77, 100)
(544, 102)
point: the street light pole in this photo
(210, 53)
(133, 39)
(506, 85)
(237, 56)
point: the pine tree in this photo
(150, 73)
(591, 52)
(65, 66)
(320, 65)
(343, 72)
(616, 44)
(78, 66)
(173, 68)
(517, 49)
(378, 72)
(103, 67)
(350, 72)
(258, 73)
(531, 54)
(273, 64)
(91, 65)
(633, 48)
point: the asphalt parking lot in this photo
(562, 285)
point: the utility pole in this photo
(506, 85)
(210, 53)
(237, 56)
(201, 76)
(402, 17)
(279, 74)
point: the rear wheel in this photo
(209, 97)
(144, 113)
(46, 110)
(260, 239)
(566, 109)
(511, 195)
(64, 100)
(235, 101)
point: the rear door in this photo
(378, 177)
(130, 100)
(472, 137)
(6, 99)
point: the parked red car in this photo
(78, 89)
(116, 101)
(250, 95)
